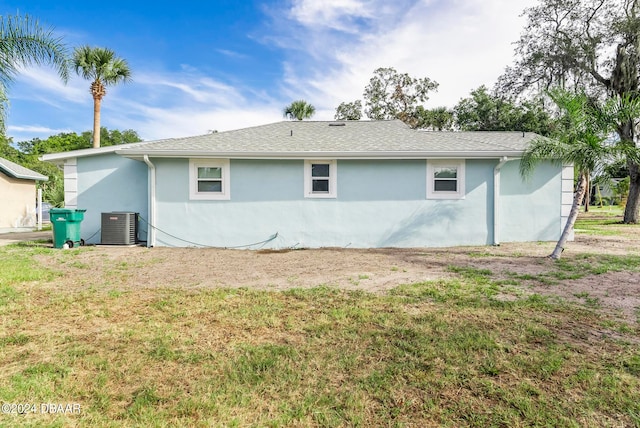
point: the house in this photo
(322, 184)
(18, 195)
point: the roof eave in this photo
(139, 154)
(21, 176)
(60, 157)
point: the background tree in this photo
(104, 69)
(299, 110)
(533, 116)
(579, 140)
(484, 111)
(67, 141)
(393, 95)
(349, 111)
(436, 119)
(112, 137)
(9, 152)
(616, 169)
(24, 42)
(591, 44)
(63, 142)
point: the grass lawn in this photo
(463, 351)
(601, 221)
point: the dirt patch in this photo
(371, 270)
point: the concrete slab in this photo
(13, 237)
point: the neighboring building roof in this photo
(18, 171)
(350, 139)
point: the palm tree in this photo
(102, 67)
(23, 42)
(299, 110)
(580, 141)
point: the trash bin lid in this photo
(66, 210)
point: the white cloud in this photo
(154, 123)
(28, 132)
(331, 48)
(47, 85)
(333, 14)
(460, 44)
(193, 84)
(44, 131)
(156, 104)
(165, 105)
(232, 54)
(36, 129)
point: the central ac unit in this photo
(119, 228)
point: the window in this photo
(209, 179)
(445, 179)
(320, 179)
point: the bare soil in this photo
(371, 270)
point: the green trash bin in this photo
(66, 226)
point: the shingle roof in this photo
(337, 139)
(18, 171)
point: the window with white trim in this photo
(209, 179)
(445, 179)
(320, 178)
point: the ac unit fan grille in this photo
(119, 228)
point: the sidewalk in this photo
(13, 237)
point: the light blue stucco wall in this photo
(109, 182)
(380, 203)
(530, 209)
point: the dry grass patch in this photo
(474, 345)
(426, 355)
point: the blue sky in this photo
(218, 65)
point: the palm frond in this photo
(24, 42)
(580, 139)
(100, 64)
(82, 59)
(539, 150)
(299, 110)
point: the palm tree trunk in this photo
(587, 198)
(96, 122)
(577, 202)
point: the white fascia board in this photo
(62, 156)
(139, 154)
(34, 177)
(39, 177)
